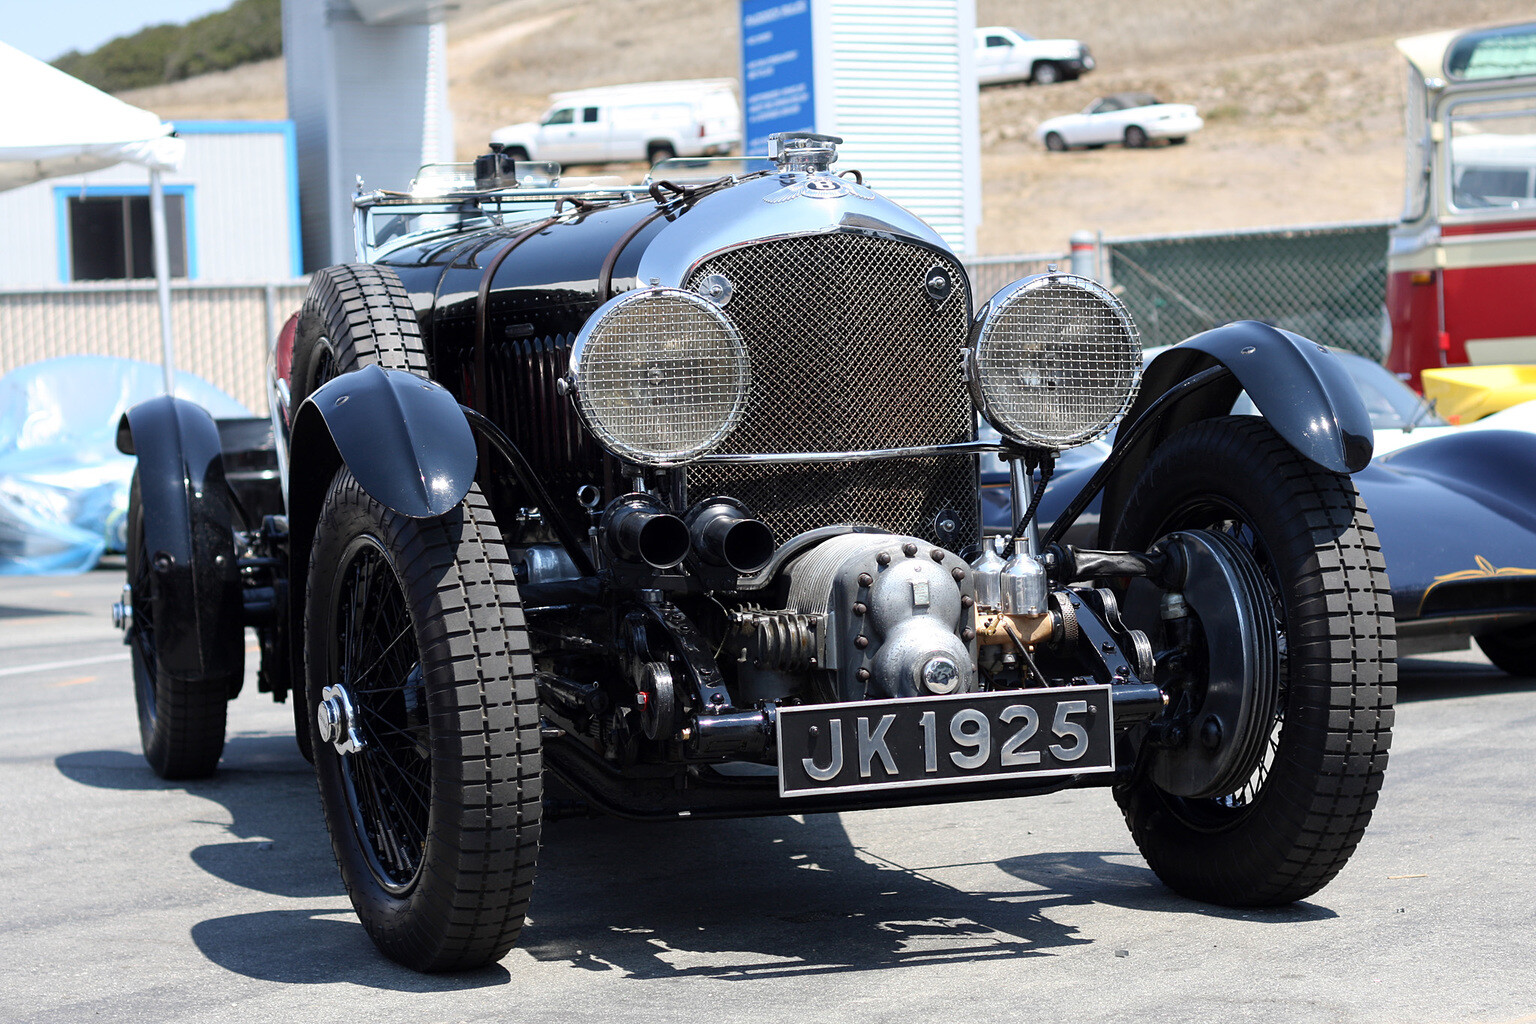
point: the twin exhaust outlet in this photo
(721, 531)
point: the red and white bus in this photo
(1461, 269)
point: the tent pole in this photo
(162, 277)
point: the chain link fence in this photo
(1326, 283)
(989, 273)
(221, 332)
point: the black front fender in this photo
(1300, 387)
(189, 533)
(403, 437)
(405, 440)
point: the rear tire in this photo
(1055, 143)
(1287, 831)
(1512, 651)
(181, 720)
(656, 152)
(355, 315)
(414, 641)
(1135, 138)
(516, 152)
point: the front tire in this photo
(354, 315)
(1045, 73)
(425, 726)
(656, 152)
(1135, 138)
(1055, 143)
(1286, 831)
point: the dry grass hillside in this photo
(1302, 100)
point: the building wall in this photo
(239, 184)
(368, 101)
(896, 79)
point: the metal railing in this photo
(222, 331)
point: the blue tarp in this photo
(63, 483)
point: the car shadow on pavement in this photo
(278, 846)
(1428, 678)
(733, 899)
(278, 842)
(762, 898)
(1102, 878)
(11, 611)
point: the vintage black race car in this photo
(670, 493)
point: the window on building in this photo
(110, 237)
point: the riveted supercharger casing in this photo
(890, 605)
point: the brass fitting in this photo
(1002, 628)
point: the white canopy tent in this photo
(53, 124)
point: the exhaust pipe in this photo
(636, 528)
(725, 532)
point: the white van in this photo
(648, 121)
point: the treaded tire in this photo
(450, 719)
(1045, 73)
(354, 315)
(1512, 651)
(1135, 138)
(1293, 825)
(1055, 143)
(181, 720)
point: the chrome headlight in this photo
(1056, 362)
(660, 375)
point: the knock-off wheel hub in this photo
(338, 720)
(1214, 752)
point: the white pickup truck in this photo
(649, 121)
(1006, 55)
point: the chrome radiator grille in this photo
(849, 350)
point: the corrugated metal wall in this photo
(240, 222)
(902, 92)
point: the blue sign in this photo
(778, 88)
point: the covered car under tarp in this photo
(63, 483)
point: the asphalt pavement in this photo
(127, 898)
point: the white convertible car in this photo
(1133, 118)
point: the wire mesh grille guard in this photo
(1058, 361)
(849, 351)
(661, 375)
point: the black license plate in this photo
(931, 741)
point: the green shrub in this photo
(249, 30)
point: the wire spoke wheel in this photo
(374, 655)
(424, 724)
(1289, 821)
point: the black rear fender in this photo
(189, 533)
(1300, 387)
